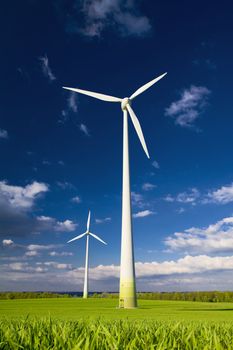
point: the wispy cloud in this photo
(205, 62)
(33, 247)
(102, 221)
(76, 200)
(99, 15)
(67, 114)
(3, 134)
(24, 266)
(46, 162)
(32, 253)
(148, 186)
(72, 102)
(223, 195)
(137, 199)
(180, 210)
(215, 238)
(188, 108)
(64, 185)
(46, 68)
(56, 265)
(169, 198)
(84, 129)
(155, 164)
(142, 214)
(190, 197)
(54, 253)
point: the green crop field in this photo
(76, 308)
(73, 323)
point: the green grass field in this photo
(77, 308)
(97, 324)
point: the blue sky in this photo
(61, 153)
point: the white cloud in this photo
(186, 265)
(59, 226)
(46, 68)
(155, 164)
(54, 253)
(169, 198)
(190, 105)
(122, 16)
(189, 197)
(215, 238)
(22, 197)
(142, 214)
(76, 199)
(64, 266)
(137, 200)
(25, 267)
(32, 253)
(206, 272)
(148, 186)
(65, 226)
(3, 134)
(7, 242)
(84, 129)
(101, 221)
(223, 195)
(56, 265)
(36, 247)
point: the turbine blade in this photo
(96, 237)
(88, 221)
(77, 237)
(138, 129)
(95, 95)
(146, 86)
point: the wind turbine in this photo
(127, 297)
(87, 234)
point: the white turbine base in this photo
(127, 296)
(85, 288)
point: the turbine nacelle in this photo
(125, 101)
(125, 105)
(87, 233)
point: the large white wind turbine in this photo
(127, 272)
(87, 234)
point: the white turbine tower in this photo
(127, 298)
(87, 234)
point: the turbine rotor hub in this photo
(124, 103)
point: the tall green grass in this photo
(45, 334)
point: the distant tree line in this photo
(214, 296)
(31, 295)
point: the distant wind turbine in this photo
(87, 234)
(127, 298)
